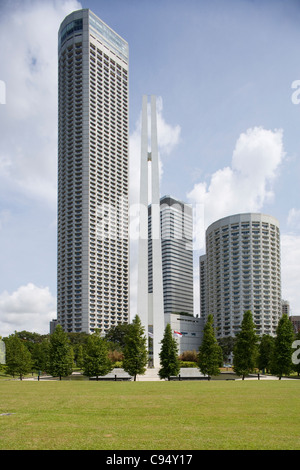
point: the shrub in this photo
(115, 356)
(188, 364)
(188, 356)
(118, 364)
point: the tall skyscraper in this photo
(285, 305)
(242, 272)
(202, 285)
(93, 138)
(177, 255)
(150, 305)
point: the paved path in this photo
(152, 375)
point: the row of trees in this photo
(250, 352)
(275, 355)
(58, 354)
(96, 356)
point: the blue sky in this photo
(228, 127)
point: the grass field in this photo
(150, 415)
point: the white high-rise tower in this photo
(93, 138)
(150, 306)
(242, 271)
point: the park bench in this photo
(114, 378)
(179, 377)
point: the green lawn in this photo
(150, 415)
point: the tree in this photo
(227, 345)
(18, 358)
(170, 364)
(79, 357)
(189, 356)
(60, 354)
(283, 351)
(40, 355)
(116, 335)
(96, 361)
(210, 352)
(135, 349)
(77, 339)
(30, 339)
(245, 349)
(265, 353)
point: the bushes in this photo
(118, 365)
(188, 359)
(189, 364)
(188, 356)
(116, 356)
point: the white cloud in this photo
(290, 269)
(290, 261)
(258, 153)
(28, 145)
(168, 136)
(293, 220)
(28, 308)
(28, 153)
(245, 186)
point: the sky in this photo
(227, 80)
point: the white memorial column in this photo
(157, 300)
(142, 293)
(150, 306)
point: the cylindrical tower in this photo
(243, 273)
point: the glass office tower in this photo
(177, 255)
(93, 138)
